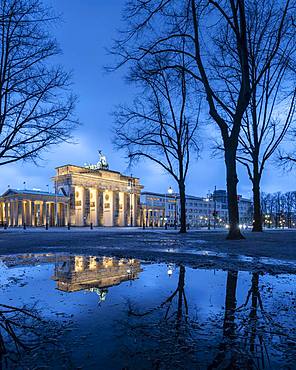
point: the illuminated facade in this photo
(99, 196)
(74, 273)
(91, 195)
(33, 208)
(160, 209)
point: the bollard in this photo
(91, 225)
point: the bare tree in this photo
(24, 332)
(36, 106)
(268, 209)
(161, 125)
(279, 209)
(287, 158)
(272, 105)
(216, 53)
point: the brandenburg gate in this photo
(99, 196)
(90, 195)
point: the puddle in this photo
(229, 257)
(67, 311)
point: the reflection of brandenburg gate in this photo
(80, 272)
(99, 196)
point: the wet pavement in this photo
(66, 311)
(271, 251)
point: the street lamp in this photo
(170, 191)
(209, 213)
(55, 204)
(215, 207)
(130, 188)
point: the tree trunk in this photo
(257, 223)
(182, 207)
(232, 180)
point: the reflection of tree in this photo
(248, 330)
(22, 330)
(167, 303)
(166, 328)
(253, 334)
(226, 356)
(250, 323)
(258, 326)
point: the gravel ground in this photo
(272, 251)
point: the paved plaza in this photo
(272, 251)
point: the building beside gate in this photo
(160, 209)
(33, 208)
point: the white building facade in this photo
(160, 209)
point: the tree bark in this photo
(232, 181)
(257, 223)
(183, 228)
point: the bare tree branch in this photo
(36, 104)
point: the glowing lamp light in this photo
(170, 271)
(170, 190)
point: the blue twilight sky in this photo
(88, 27)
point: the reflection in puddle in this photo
(157, 315)
(76, 273)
